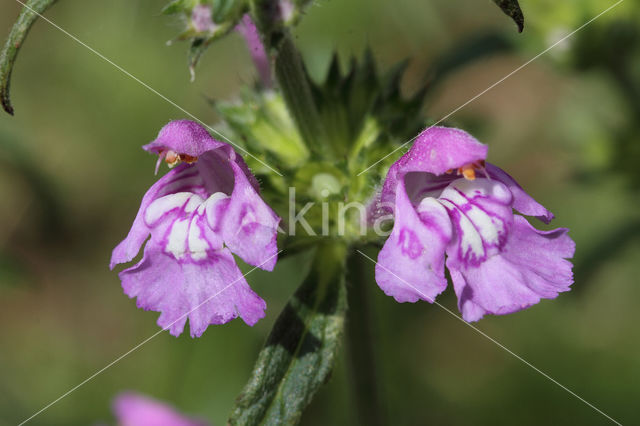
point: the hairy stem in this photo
(296, 91)
(361, 345)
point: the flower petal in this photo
(185, 137)
(179, 178)
(212, 291)
(481, 213)
(201, 18)
(132, 409)
(192, 212)
(249, 226)
(411, 263)
(522, 201)
(532, 266)
(435, 151)
(211, 174)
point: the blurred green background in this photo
(72, 173)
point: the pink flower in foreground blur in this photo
(198, 214)
(445, 200)
(132, 409)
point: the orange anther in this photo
(468, 171)
(171, 158)
(188, 158)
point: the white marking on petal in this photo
(194, 202)
(162, 205)
(489, 227)
(496, 191)
(198, 246)
(177, 238)
(184, 237)
(470, 240)
(428, 204)
(479, 208)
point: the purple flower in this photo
(445, 200)
(199, 213)
(201, 18)
(132, 409)
(259, 55)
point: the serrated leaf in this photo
(512, 8)
(19, 31)
(334, 76)
(301, 350)
(401, 116)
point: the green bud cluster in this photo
(327, 176)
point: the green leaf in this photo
(512, 8)
(301, 350)
(27, 17)
(345, 100)
(262, 120)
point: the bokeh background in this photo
(72, 173)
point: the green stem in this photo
(361, 344)
(290, 73)
(296, 91)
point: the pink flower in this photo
(132, 409)
(201, 18)
(447, 202)
(197, 215)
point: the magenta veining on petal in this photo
(191, 215)
(461, 211)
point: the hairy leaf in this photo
(27, 17)
(512, 9)
(300, 352)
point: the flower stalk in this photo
(361, 347)
(296, 91)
